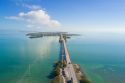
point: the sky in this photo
(83, 16)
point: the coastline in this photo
(58, 78)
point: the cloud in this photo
(13, 17)
(36, 18)
(32, 7)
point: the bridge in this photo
(69, 69)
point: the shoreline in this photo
(58, 78)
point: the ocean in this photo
(24, 60)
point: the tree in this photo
(57, 71)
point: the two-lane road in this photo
(70, 68)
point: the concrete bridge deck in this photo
(65, 55)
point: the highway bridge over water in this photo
(69, 69)
(68, 73)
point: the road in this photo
(69, 68)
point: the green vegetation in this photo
(60, 64)
(57, 79)
(56, 71)
(77, 70)
(64, 63)
(80, 75)
(64, 36)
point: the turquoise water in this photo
(102, 62)
(24, 60)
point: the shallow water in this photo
(102, 63)
(24, 60)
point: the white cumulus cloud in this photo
(36, 18)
